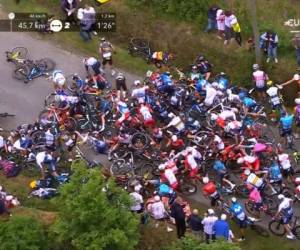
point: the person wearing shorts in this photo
(121, 85)
(92, 63)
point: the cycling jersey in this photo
(255, 196)
(211, 93)
(254, 180)
(166, 79)
(145, 112)
(260, 78)
(219, 167)
(219, 142)
(140, 93)
(209, 188)
(227, 114)
(200, 86)
(275, 173)
(195, 76)
(237, 210)
(249, 102)
(297, 111)
(91, 61)
(287, 122)
(69, 99)
(284, 161)
(273, 93)
(252, 162)
(177, 123)
(122, 107)
(285, 207)
(169, 175)
(100, 146)
(165, 190)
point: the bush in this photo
(21, 233)
(94, 213)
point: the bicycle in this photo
(17, 55)
(31, 70)
(268, 206)
(276, 227)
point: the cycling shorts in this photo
(242, 223)
(285, 132)
(286, 219)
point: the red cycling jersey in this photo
(209, 188)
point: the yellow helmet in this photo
(269, 83)
(32, 184)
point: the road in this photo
(27, 100)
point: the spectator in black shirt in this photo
(178, 214)
(212, 18)
(195, 223)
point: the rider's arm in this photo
(287, 83)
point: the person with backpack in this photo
(270, 40)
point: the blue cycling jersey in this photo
(275, 173)
(223, 83)
(200, 85)
(237, 210)
(166, 79)
(249, 102)
(287, 121)
(164, 190)
(219, 166)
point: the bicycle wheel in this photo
(119, 167)
(139, 141)
(241, 191)
(187, 188)
(46, 117)
(145, 171)
(260, 230)
(250, 207)
(50, 99)
(47, 63)
(296, 232)
(20, 52)
(70, 124)
(21, 72)
(276, 228)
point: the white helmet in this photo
(156, 198)
(255, 66)
(233, 199)
(297, 101)
(247, 172)
(205, 180)
(296, 77)
(174, 138)
(280, 196)
(137, 82)
(149, 73)
(162, 166)
(213, 117)
(210, 211)
(297, 180)
(240, 160)
(229, 91)
(223, 216)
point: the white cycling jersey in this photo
(254, 180)
(145, 112)
(219, 142)
(284, 161)
(227, 114)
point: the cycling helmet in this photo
(223, 216)
(102, 39)
(205, 180)
(296, 77)
(269, 83)
(174, 138)
(297, 101)
(210, 211)
(213, 117)
(137, 82)
(222, 74)
(247, 172)
(200, 58)
(297, 181)
(228, 91)
(194, 67)
(33, 184)
(156, 198)
(280, 196)
(162, 166)
(167, 73)
(255, 66)
(120, 76)
(233, 200)
(57, 98)
(242, 95)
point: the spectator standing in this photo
(236, 29)
(220, 16)
(90, 15)
(212, 22)
(208, 223)
(105, 50)
(296, 41)
(270, 40)
(69, 8)
(221, 228)
(137, 200)
(195, 223)
(228, 28)
(85, 25)
(178, 214)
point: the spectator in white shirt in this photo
(157, 209)
(208, 223)
(137, 200)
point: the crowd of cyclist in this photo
(170, 134)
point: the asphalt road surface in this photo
(26, 101)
